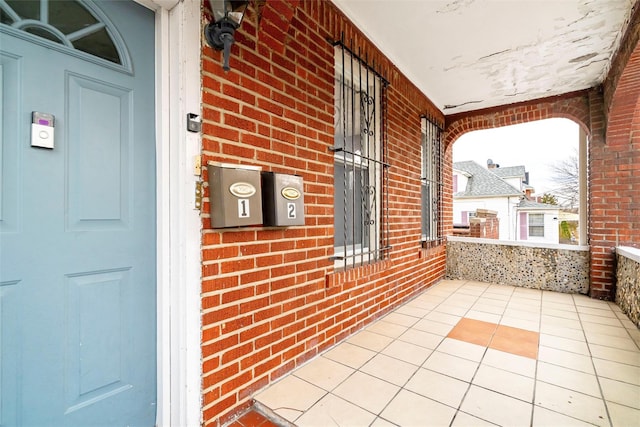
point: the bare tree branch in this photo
(566, 175)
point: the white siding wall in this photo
(551, 229)
(466, 206)
(516, 182)
(462, 181)
(505, 206)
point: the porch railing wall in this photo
(562, 268)
(628, 282)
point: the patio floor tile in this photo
(496, 408)
(389, 369)
(453, 366)
(470, 354)
(407, 352)
(367, 392)
(410, 409)
(624, 415)
(571, 403)
(438, 387)
(621, 392)
(350, 355)
(545, 417)
(324, 373)
(332, 410)
(370, 340)
(290, 397)
(568, 378)
(510, 362)
(504, 382)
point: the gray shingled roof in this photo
(483, 182)
(510, 172)
(536, 205)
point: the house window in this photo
(466, 217)
(76, 25)
(359, 169)
(431, 180)
(536, 225)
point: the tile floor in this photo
(472, 354)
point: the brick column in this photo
(485, 225)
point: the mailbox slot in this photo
(235, 195)
(282, 199)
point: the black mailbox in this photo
(282, 199)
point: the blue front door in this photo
(77, 221)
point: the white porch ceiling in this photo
(472, 54)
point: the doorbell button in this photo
(42, 129)
(41, 136)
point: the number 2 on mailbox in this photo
(291, 210)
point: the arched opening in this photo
(533, 175)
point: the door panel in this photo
(101, 132)
(9, 131)
(77, 236)
(97, 336)
(10, 331)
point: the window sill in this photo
(430, 244)
(347, 278)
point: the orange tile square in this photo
(477, 326)
(521, 345)
(511, 332)
(470, 337)
(473, 331)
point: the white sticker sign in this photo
(243, 208)
(291, 210)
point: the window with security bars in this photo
(359, 170)
(431, 182)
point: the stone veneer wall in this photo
(628, 282)
(561, 268)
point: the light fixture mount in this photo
(227, 17)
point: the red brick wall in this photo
(615, 168)
(270, 297)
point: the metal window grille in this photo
(431, 182)
(360, 178)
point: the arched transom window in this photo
(69, 23)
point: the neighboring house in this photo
(538, 222)
(505, 190)
(514, 175)
(475, 187)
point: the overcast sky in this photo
(535, 145)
